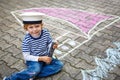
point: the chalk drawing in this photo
(86, 24)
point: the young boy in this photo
(36, 48)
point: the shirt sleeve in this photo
(25, 46)
(26, 52)
(49, 38)
(29, 57)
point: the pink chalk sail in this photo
(85, 21)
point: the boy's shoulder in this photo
(26, 37)
(45, 30)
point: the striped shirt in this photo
(32, 47)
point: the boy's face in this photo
(34, 29)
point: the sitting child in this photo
(36, 49)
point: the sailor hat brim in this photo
(32, 17)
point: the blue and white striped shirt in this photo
(32, 47)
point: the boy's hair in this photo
(26, 25)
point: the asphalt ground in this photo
(82, 57)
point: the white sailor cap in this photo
(32, 17)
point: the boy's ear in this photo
(42, 25)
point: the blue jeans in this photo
(37, 69)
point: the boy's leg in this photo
(48, 69)
(33, 68)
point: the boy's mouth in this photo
(35, 32)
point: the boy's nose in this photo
(34, 29)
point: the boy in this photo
(36, 48)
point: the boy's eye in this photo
(30, 27)
(37, 26)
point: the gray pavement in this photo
(11, 35)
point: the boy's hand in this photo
(45, 59)
(55, 45)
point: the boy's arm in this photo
(29, 57)
(52, 47)
(45, 59)
(26, 50)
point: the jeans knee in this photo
(37, 69)
(59, 63)
(34, 71)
